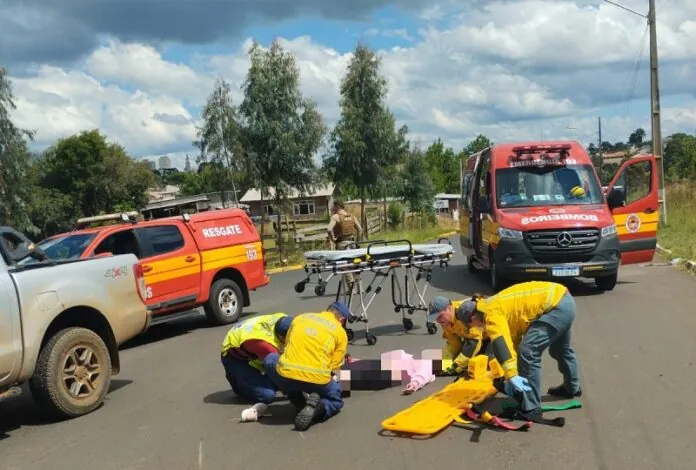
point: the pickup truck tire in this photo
(225, 303)
(68, 360)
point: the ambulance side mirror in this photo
(615, 198)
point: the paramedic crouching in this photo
(315, 348)
(243, 351)
(529, 317)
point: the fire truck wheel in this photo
(225, 303)
(497, 281)
(606, 283)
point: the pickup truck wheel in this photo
(225, 303)
(73, 374)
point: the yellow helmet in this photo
(577, 191)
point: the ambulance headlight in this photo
(609, 230)
(509, 233)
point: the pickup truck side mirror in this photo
(615, 198)
(483, 206)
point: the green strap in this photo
(566, 406)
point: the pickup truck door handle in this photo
(147, 269)
(190, 259)
(649, 210)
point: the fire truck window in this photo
(164, 238)
(635, 181)
(485, 179)
(119, 243)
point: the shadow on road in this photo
(173, 329)
(458, 279)
(21, 411)
(224, 397)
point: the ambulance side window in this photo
(163, 238)
(484, 184)
(466, 191)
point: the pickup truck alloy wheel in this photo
(73, 373)
(224, 305)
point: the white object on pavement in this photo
(253, 413)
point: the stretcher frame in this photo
(383, 267)
(312, 270)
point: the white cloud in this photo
(513, 70)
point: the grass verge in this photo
(678, 236)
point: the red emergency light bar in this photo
(559, 148)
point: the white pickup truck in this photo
(62, 322)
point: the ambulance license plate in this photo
(565, 271)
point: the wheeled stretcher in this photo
(384, 259)
(313, 271)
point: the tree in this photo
(443, 167)
(281, 130)
(14, 164)
(636, 138)
(481, 142)
(364, 145)
(680, 156)
(97, 177)
(219, 137)
(418, 189)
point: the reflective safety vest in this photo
(315, 346)
(260, 327)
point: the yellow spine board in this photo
(436, 412)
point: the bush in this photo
(395, 214)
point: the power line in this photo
(627, 9)
(633, 77)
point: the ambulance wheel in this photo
(606, 283)
(497, 281)
(432, 328)
(351, 334)
(371, 339)
(408, 324)
(320, 289)
(299, 287)
(224, 305)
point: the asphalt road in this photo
(170, 408)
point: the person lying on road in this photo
(314, 352)
(243, 351)
(529, 317)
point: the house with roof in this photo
(314, 204)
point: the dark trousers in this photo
(331, 394)
(247, 382)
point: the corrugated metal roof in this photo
(176, 202)
(255, 195)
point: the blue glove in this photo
(519, 383)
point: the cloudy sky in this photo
(140, 70)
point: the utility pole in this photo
(599, 146)
(656, 123)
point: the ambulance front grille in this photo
(561, 245)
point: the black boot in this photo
(561, 391)
(310, 414)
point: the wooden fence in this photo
(298, 234)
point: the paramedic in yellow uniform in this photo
(245, 346)
(463, 343)
(528, 317)
(315, 348)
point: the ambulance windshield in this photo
(547, 186)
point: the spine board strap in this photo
(475, 414)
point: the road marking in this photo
(200, 455)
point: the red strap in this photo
(497, 422)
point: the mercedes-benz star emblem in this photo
(564, 239)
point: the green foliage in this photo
(365, 147)
(481, 142)
(14, 164)
(395, 214)
(680, 157)
(219, 138)
(418, 189)
(443, 167)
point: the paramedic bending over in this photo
(343, 230)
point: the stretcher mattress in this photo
(379, 252)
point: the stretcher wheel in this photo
(432, 328)
(320, 289)
(351, 335)
(299, 287)
(371, 339)
(408, 324)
